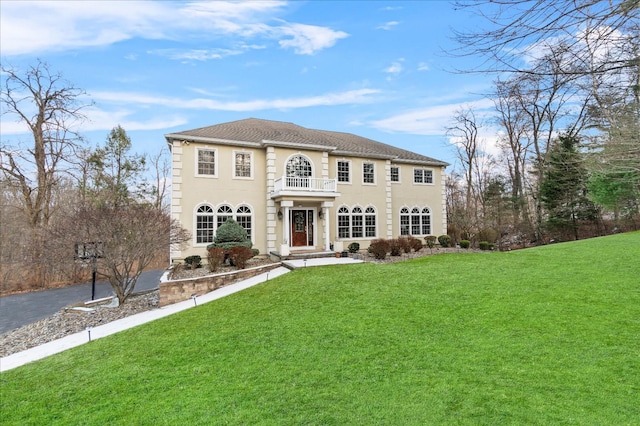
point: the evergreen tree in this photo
(563, 189)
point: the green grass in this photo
(548, 335)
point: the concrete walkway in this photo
(39, 352)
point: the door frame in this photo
(314, 224)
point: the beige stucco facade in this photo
(291, 197)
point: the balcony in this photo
(304, 187)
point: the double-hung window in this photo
(243, 163)
(207, 162)
(368, 173)
(356, 223)
(344, 171)
(416, 221)
(423, 176)
(395, 174)
(204, 224)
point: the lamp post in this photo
(90, 251)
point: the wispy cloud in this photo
(395, 68)
(423, 66)
(427, 121)
(36, 27)
(359, 96)
(387, 25)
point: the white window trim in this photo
(300, 154)
(195, 224)
(433, 178)
(374, 173)
(399, 175)
(350, 181)
(215, 163)
(410, 214)
(252, 216)
(250, 177)
(364, 223)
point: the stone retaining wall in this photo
(181, 290)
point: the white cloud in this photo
(423, 66)
(308, 39)
(36, 27)
(387, 25)
(395, 68)
(427, 121)
(339, 98)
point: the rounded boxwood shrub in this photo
(430, 241)
(354, 247)
(484, 245)
(230, 234)
(193, 261)
(465, 244)
(444, 240)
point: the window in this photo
(243, 217)
(224, 213)
(404, 221)
(356, 224)
(368, 173)
(204, 225)
(243, 164)
(426, 221)
(370, 222)
(415, 222)
(206, 162)
(299, 166)
(343, 223)
(344, 172)
(423, 176)
(395, 174)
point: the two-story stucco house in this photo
(300, 190)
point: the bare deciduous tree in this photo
(49, 106)
(129, 238)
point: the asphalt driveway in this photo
(21, 309)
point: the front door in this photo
(301, 228)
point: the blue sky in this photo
(372, 68)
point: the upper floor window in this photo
(395, 174)
(422, 176)
(207, 162)
(243, 162)
(344, 171)
(299, 166)
(368, 173)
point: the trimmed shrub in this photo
(465, 244)
(484, 245)
(230, 234)
(405, 244)
(379, 248)
(395, 247)
(444, 240)
(487, 234)
(354, 247)
(430, 241)
(239, 255)
(193, 261)
(215, 258)
(415, 244)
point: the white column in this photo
(325, 215)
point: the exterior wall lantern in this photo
(320, 214)
(279, 214)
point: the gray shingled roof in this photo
(258, 131)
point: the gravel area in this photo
(68, 321)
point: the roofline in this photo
(297, 145)
(434, 163)
(187, 138)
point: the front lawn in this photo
(549, 335)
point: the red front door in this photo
(301, 228)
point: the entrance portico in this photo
(305, 225)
